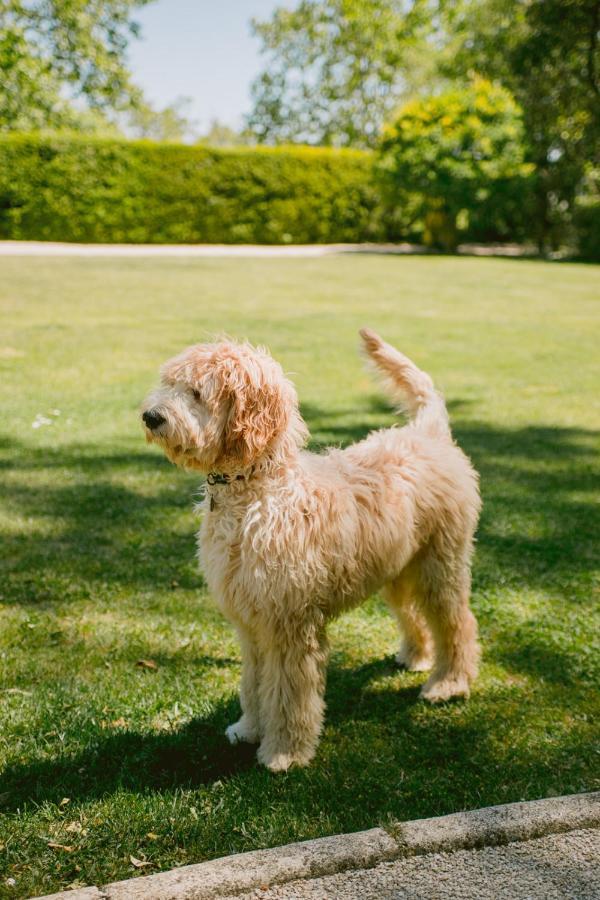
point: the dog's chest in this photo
(234, 545)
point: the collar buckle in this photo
(222, 478)
(217, 478)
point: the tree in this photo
(172, 123)
(334, 69)
(547, 52)
(448, 150)
(57, 56)
(221, 135)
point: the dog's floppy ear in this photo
(261, 405)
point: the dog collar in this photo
(218, 478)
(214, 478)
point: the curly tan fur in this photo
(290, 539)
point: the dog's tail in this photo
(410, 388)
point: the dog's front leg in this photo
(247, 728)
(291, 692)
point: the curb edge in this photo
(243, 872)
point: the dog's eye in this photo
(196, 395)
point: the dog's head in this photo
(222, 407)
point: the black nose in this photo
(153, 419)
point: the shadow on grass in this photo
(541, 520)
(101, 531)
(539, 529)
(369, 729)
(539, 525)
(470, 249)
(197, 753)
(340, 427)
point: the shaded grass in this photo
(110, 759)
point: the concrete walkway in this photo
(49, 248)
(542, 849)
(551, 868)
(43, 248)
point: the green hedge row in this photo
(69, 188)
(97, 190)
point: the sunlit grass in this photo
(111, 759)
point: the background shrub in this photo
(457, 152)
(80, 188)
(505, 212)
(587, 224)
(98, 190)
(586, 217)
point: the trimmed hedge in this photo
(98, 190)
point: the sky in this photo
(201, 49)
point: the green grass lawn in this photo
(102, 760)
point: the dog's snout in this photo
(152, 419)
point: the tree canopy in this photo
(334, 69)
(63, 62)
(337, 70)
(547, 52)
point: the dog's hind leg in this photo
(416, 647)
(247, 728)
(291, 698)
(446, 582)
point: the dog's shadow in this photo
(372, 715)
(529, 471)
(195, 754)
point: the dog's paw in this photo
(437, 690)
(413, 660)
(281, 762)
(241, 730)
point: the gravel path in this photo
(551, 868)
(50, 248)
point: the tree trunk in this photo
(440, 230)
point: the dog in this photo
(290, 539)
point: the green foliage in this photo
(54, 50)
(587, 227)
(76, 189)
(547, 53)
(505, 211)
(171, 123)
(450, 149)
(30, 90)
(334, 69)
(218, 134)
(587, 217)
(112, 190)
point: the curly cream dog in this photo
(290, 539)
